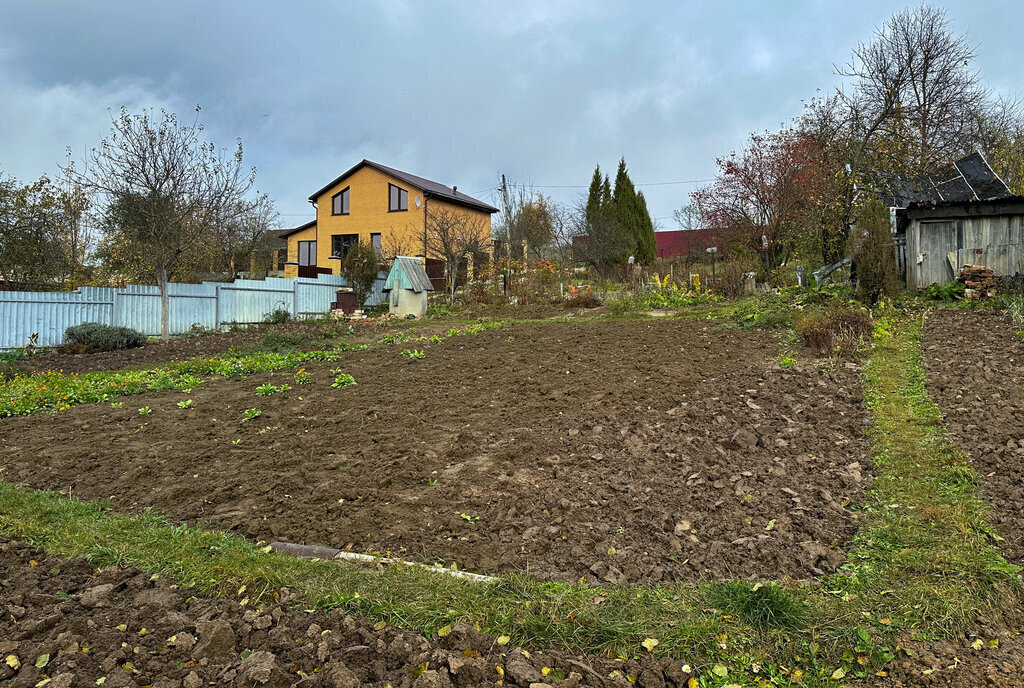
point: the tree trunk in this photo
(165, 304)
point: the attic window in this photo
(398, 199)
(339, 202)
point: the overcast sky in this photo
(458, 92)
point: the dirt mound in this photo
(61, 621)
(975, 366)
(604, 451)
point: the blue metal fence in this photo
(213, 305)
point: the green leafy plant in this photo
(414, 354)
(947, 293)
(250, 413)
(302, 377)
(762, 313)
(394, 338)
(786, 360)
(187, 404)
(145, 411)
(342, 379)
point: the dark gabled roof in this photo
(429, 188)
(284, 234)
(968, 179)
(408, 273)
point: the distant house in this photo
(680, 243)
(962, 215)
(372, 203)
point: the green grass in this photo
(924, 562)
(54, 391)
(925, 555)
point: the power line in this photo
(585, 186)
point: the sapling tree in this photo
(162, 188)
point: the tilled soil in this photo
(974, 363)
(986, 659)
(607, 451)
(65, 625)
(975, 366)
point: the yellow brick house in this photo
(380, 205)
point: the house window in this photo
(398, 199)
(375, 240)
(341, 244)
(307, 253)
(339, 203)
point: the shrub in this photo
(197, 330)
(838, 329)
(100, 337)
(360, 269)
(283, 341)
(279, 316)
(762, 313)
(728, 280)
(876, 259)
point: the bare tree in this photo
(915, 92)
(525, 216)
(451, 234)
(399, 244)
(169, 184)
(687, 216)
(245, 233)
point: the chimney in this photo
(455, 191)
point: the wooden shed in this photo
(961, 215)
(942, 238)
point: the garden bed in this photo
(975, 365)
(603, 451)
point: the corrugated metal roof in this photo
(408, 273)
(968, 179)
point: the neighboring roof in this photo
(685, 242)
(284, 234)
(429, 188)
(408, 273)
(968, 179)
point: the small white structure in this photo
(407, 286)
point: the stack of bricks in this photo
(979, 280)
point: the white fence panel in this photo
(211, 304)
